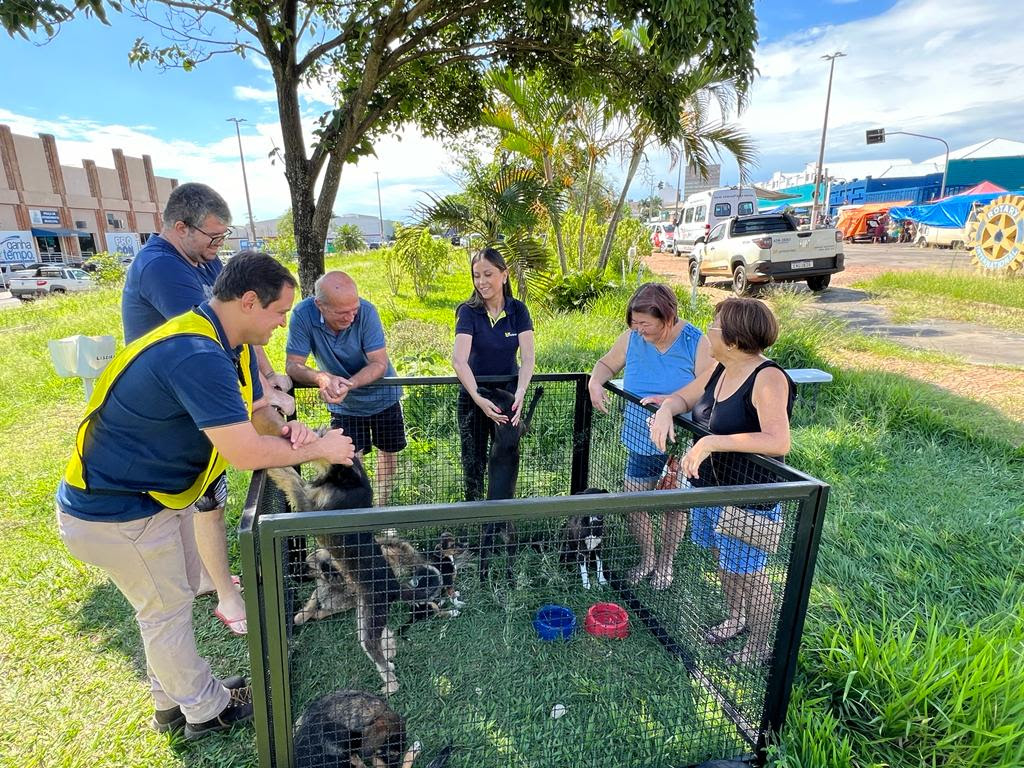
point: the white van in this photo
(705, 210)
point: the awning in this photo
(58, 232)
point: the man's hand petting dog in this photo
(333, 389)
(337, 447)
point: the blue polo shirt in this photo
(161, 284)
(494, 348)
(343, 353)
(147, 435)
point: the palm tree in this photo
(698, 138)
(592, 119)
(500, 207)
(530, 115)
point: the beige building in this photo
(54, 212)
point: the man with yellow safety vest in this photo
(170, 412)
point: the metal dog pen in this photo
(669, 699)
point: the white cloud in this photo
(247, 93)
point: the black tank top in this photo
(734, 415)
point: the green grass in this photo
(994, 300)
(912, 645)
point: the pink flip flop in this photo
(233, 626)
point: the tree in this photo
(699, 137)
(348, 237)
(424, 62)
(282, 245)
(591, 121)
(499, 207)
(23, 17)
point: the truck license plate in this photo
(801, 264)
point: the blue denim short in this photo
(641, 466)
(734, 556)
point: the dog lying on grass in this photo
(502, 474)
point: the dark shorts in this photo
(384, 430)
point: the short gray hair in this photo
(192, 203)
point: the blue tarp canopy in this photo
(951, 212)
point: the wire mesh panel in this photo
(617, 626)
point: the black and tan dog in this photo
(580, 544)
(502, 474)
(352, 729)
(356, 559)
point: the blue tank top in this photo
(650, 372)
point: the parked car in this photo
(50, 280)
(703, 211)
(663, 237)
(767, 248)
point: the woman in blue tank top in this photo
(746, 405)
(660, 352)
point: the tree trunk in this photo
(609, 238)
(586, 206)
(556, 223)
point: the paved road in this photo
(975, 343)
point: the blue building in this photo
(916, 189)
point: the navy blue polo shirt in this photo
(147, 436)
(494, 348)
(343, 353)
(161, 284)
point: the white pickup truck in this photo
(767, 248)
(49, 280)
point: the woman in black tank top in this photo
(746, 406)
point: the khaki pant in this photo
(155, 564)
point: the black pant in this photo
(475, 430)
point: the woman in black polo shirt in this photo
(490, 327)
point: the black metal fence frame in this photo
(263, 537)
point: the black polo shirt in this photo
(494, 345)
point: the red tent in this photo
(982, 189)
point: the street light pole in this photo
(380, 213)
(824, 128)
(882, 133)
(679, 176)
(245, 180)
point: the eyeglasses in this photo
(214, 239)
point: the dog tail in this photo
(531, 408)
(292, 486)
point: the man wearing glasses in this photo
(172, 273)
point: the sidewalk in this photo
(974, 343)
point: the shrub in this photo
(348, 237)
(392, 269)
(109, 269)
(424, 256)
(577, 290)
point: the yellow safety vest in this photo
(191, 323)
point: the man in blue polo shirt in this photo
(174, 272)
(344, 334)
(167, 415)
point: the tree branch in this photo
(203, 9)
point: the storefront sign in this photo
(17, 247)
(43, 216)
(125, 243)
(245, 244)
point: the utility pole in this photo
(824, 128)
(245, 180)
(380, 214)
(679, 176)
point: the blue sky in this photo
(910, 64)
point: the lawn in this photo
(971, 297)
(912, 652)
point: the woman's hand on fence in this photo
(654, 400)
(598, 398)
(298, 434)
(696, 456)
(663, 430)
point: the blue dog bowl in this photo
(554, 622)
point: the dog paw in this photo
(586, 585)
(390, 688)
(602, 581)
(454, 612)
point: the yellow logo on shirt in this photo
(509, 334)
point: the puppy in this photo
(437, 578)
(580, 545)
(502, 474)
(352, 729)
(332, 594)
(357, 557)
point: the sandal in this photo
(747, 656)
(237, 627)
(717, 635)
(638, 574)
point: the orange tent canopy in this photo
(854, 221)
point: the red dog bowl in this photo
(607, 620)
